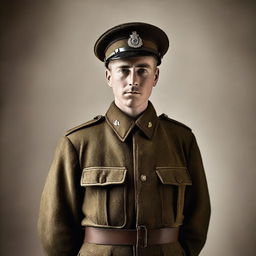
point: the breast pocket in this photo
(105, 196)
(173, 182)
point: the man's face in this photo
(132, 80)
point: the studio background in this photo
(51, 81)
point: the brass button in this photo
(143, 177)
(116, 123)
(150, 124)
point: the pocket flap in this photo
(102, 176)
(174, 175)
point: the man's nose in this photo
(133, 78)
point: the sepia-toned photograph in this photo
(127, 128)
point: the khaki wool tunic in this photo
(119, 172)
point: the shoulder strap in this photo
(164, 116)
(86, 124)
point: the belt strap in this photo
(141, 236)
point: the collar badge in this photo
(135, 41)
(116, 123)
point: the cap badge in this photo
(135, 41)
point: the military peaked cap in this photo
(130, 40)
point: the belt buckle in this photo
(142, 236)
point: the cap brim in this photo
(130, 54)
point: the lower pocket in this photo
(105, 196)
(173, 182)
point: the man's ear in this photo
(156, 76)
(108, 77)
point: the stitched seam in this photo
(76, 153)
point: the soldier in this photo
(130, 182)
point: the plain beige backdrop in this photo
(51, 81)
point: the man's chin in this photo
(132, 102)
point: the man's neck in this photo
(132, 112)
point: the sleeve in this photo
(60, 214)
(197, 205)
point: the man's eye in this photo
(124, 70)
(142, 71)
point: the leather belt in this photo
(141, 236)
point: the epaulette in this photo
(164, 116)
(86, 124)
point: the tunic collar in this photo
(122, 124)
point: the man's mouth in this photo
(131, 93)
